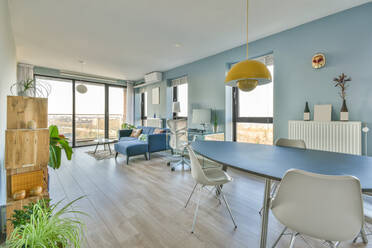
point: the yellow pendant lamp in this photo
(247, 74)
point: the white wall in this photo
(7, 78)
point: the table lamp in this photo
(201, 117)
(176, 108)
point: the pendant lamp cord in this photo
(247, 26)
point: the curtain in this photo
(179, 81)
(24, 72)
(130, 103)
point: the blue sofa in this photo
(131, 146)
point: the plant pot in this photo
(344, 114)
(215, 128)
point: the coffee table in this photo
(103, 142)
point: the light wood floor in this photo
(142, 205)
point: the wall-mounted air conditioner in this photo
(153, 77)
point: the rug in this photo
(101, 154)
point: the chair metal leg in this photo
(227, 205)
(196, 209)
(280, 236)
(192, 192)
(265, 213)
(364, 236)
(293, 239)
(331, 244)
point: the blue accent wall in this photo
(346, 40)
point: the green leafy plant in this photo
(21, 217)
(57, 143)
(215, 120)
(49, 227)
(127, 126)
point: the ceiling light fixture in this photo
(247, 74)
(81, 88)
(177, 45)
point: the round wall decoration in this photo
(318, 61)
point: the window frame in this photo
(175, 99)
(236, 118)
(73, 86)
(143, 103)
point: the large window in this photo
(117, 104)
(90, 113)
(180, 94)
(253, 111)
(60, 104)
(82, 118)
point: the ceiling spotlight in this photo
(177, 45)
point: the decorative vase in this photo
(344, 114)
(215, 128)
(31, 124)
(307, 112)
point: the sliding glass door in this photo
(89, 113)
(116, 110)
(60, 104)
(84, 117)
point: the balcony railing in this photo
(88, 127)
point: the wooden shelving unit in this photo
(26, 150)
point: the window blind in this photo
(179, 81)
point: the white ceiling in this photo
(128, 38)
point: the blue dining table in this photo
(272, 162)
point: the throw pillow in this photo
(136, 132)
(143, 137)
(158, 131)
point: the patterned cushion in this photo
(143, 137)
(136, 132)
(158, 131)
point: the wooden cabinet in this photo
(21, 110)
(26, 148)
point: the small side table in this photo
(103, 142)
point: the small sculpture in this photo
(318, 61)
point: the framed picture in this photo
(156, 95)
(323, 112)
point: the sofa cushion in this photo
(147, 130)
(131, 148)
(136, 132)
(158, 131)
(127, 138)
(143, 137)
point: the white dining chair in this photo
(324, 207)
(214, 177)
(292, 143)
(366, 230)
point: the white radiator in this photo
(334, 136)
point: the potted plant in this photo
(215, 121)
(57, 143)
(341, 82)
(127, 126)
(44, 225)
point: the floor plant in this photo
(48, 226)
